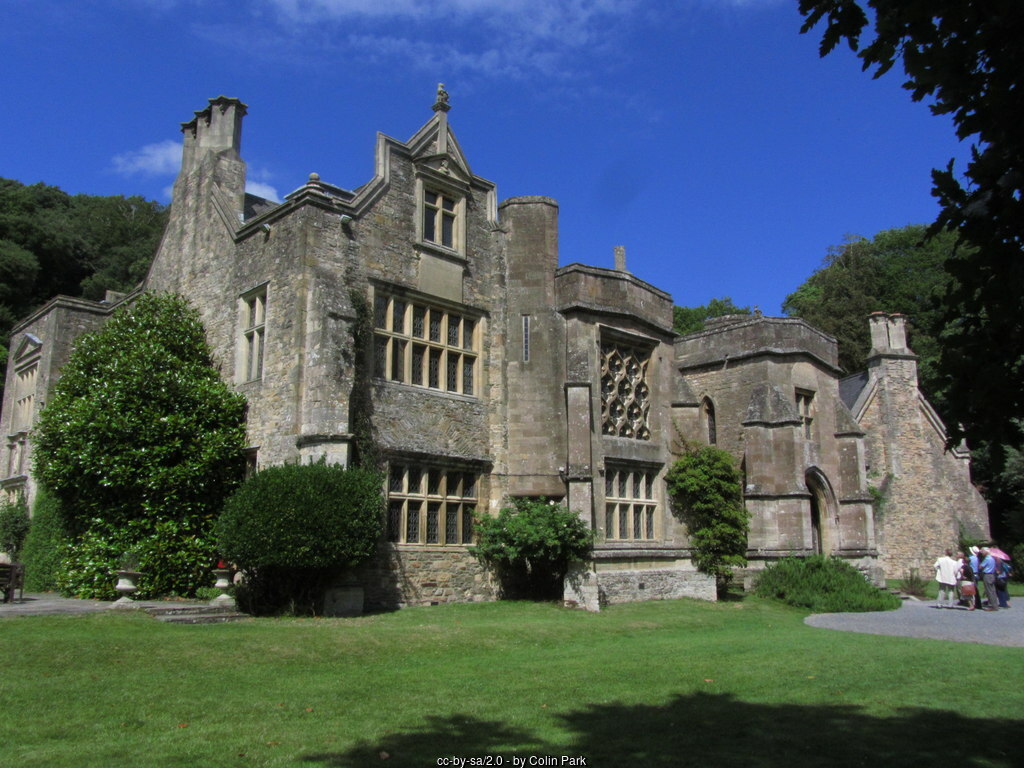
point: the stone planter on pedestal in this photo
(223, 583)
(127, 586)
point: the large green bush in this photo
(706, 491)
(293, 528)
(44, 545)
(822, 585)
(14, 526)
(530, 545)
(141, 442)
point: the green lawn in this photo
(741, 683)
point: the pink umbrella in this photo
(997, 552)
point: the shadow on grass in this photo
(708, 730)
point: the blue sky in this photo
(706, 136)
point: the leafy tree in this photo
(293, 528)
(530, 545)
(705, 487)
(54, 243)
(964, 55)
(141, 443)
(898, 270)
(691, 319)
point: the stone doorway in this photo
(823, 513)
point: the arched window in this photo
(707, 417)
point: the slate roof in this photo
(851, 387)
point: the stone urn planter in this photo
(127, 585)
(222, 581)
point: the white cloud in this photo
(495, 37)
(157, 159)
(260, 189)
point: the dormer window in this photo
(439, 218)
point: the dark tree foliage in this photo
(966, 57)
(691, 319)
(54, 243)
(896, 271)
(141, 442)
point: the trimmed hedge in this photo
(293, 528)
(822, 585)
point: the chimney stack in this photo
(620, 258)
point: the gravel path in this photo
(922, 619)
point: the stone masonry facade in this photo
(495, 373)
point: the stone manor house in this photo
(496, 374)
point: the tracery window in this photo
(630, 504)
(625, 394)
(430, 504)
(424, 345)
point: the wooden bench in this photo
(12, 577)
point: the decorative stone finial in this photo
(441, 105)
(314, 178)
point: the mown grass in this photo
(656, 684)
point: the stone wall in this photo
(409, 575)
(626, 582)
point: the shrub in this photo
(44, 544)
(530, 545)
(705, 488)
(14, 525)
(914, 584)
(822, 585)
(141, 442)
(293, 528)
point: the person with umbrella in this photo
(1003, 571)
(987, 570)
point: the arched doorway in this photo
(824, 513)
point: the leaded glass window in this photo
(424, 346)
(630, 507)
(428, 505)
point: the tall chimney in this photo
(620, 258)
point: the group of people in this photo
(962, 578)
